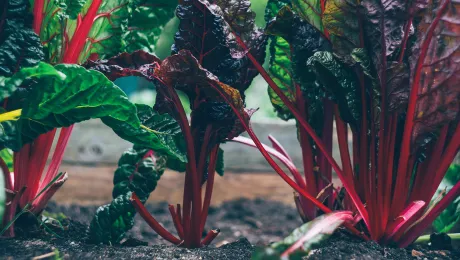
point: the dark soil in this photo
(243, 224)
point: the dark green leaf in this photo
(73, 7)
(167, 132)
(451, 215)
(310, 11)
(82, 95)
(280, 68)
(19, 45)
(139, 170)
(220, 162)
(304, 41)
(7, 156)
(146, 21)
(310, 235)
(340, 82)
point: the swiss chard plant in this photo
(387, 74)
(210, 67)
(43, 89)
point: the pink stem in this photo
(288, 163)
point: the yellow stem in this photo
(12, 115)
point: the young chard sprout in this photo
(388, 72)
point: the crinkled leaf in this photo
(124, 65)
(305, 238)
(19, 45)
(310, 11)
(451, 215)
(204, 32)
(81, 95)
(146, 21)
(341, 82)
(209, 98)
(438, 76)
(220, 162)
(304, 41)
(280, 68)
(138, 171)
(105, 36)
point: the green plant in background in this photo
(451, 215)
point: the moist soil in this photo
(244, 224)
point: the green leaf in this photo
(7, 156)
(19, 45)
(304, 238)
(42, 70)
(104, 38)
(220, 162)
(84, 94)
(448, 218)
(72, 7)
(280, 68)
(341, 21)
(304, 41)
(139, 170)
(161, 130)
(146, 21)
(341, 82)
(106, 34)
(451, 215)
(310, 11)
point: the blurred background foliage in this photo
(140, 91)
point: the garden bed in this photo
(244, 224)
